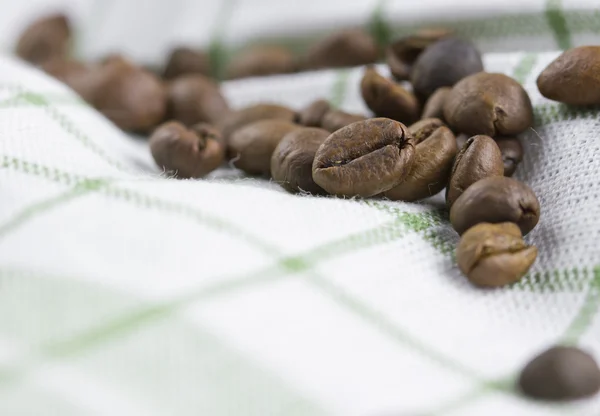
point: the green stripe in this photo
(339, 88)
(524, 67)
(216, 51)
(586, 314)
(379, 27)
(558, 23)
(546, 114)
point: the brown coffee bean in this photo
(574, 77)
(493, 255)
(189, 153)
(77, 75)
(443, 64)
(313, 114)
(490, 104)
(421, 130)
(195, 98)
(388, 99)
(336, 119)
(402, 53)
(134, 99)
(292, 160)
(493, 200)
(434, 157)
(340, 49)
(252, 146)
(512, 153)
(261, 60)
(434, 107)
(364, 158)
(186, 61)
(479, 158)
(45, 39)
(461, 140)
(235, 120)
(561, 373)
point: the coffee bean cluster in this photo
(453, 127)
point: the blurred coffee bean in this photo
(336, 119)
(195, 98)
(512, 153)
(45, 39)
(235, 120)
(434, 107)
(186, 61)
(260, 61)
(313, 114)
(78, 76)
(341, 49)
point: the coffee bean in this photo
(292, 160)
(388, 99)
(252, 146)
(479, 158)
(313, 114)
(340, 49)
(186, 61)
(421, 130)
(493, 200)
(461, 140)
(443, 64)
(235, 120)
(402, 53)
(77, 75)
(574, 77)
(434, 107)
(189, 153)
(336, 119)
(561, 373)
(490, 104)
(512, 153)
(493, 255)
(194, 99)
(434, 157)
(364, 158)
(45, 39)
(260, 61)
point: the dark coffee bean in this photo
(189, 153)
(443, 64)
(235, 120)
(292, 160)
(336, 119)
(312, 115)
(574, 77)
(479, 158)
(77, 75)
(260, 61)
(186, 61)
(493, 255)
(388, 99)
(194, 99)
(345, 48)
(512, 153)
(402, 53)
(434, 157)
(45, 39)
(364, 158)
(490, 104)
(561, 373)
(252, 146)
(461, 140)
(434, 107)
(496, 199)
(421, 130)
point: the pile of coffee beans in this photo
(453, 126)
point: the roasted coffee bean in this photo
(479, 158)
(186, 61)
(292, 160)
(313, 114)
(189, 153)
(512, 153)
(45, 39)
(434, 156)
(235, 120)
(336, 119)
(260, 61)
(461, 140)
(402, 53)
(77, 75)
(561, 373)
(134, 99)
(421, 130)
(194, 99)
(490, 104)
(493, 255)
(493, 200)
(252, 146)
(364, 158)
(434, 107)
(574, 77)
(388, 99)
(345, 48)
(443, 64)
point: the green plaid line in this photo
(339, 88)
(558, 23)
(217, 52)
